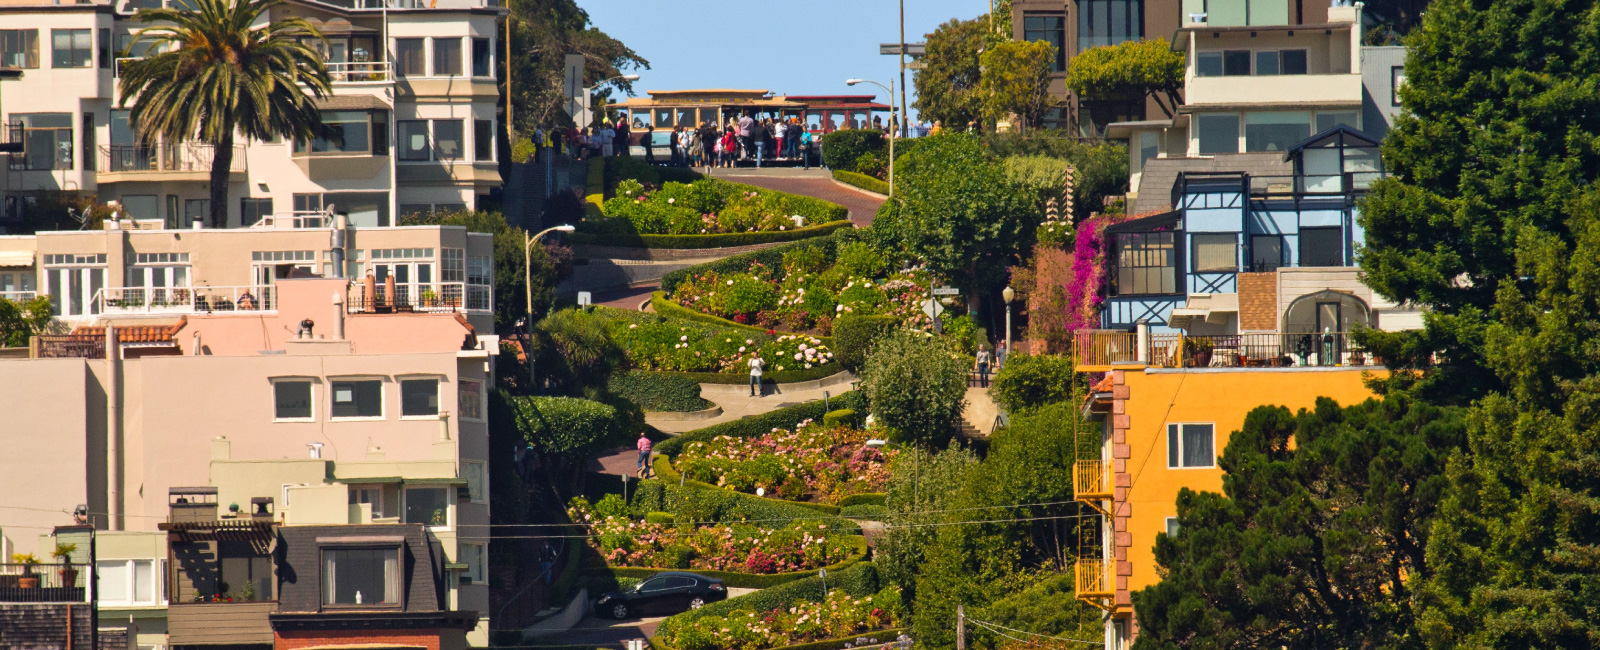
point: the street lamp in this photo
(1009, 296)
(589, 112)
(527, 286)
(890, 88)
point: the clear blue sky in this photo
(790, 47)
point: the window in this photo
(1145, 263)
(448, 140)
(469, 398)
(1190, 445)
(480, 269)
(127, 582)
(1275, 131)
(46, 141)
(19, 48)
(1052, 29)
(1266, 252)
(71, 48)
(1267, 62)
(1218, 134)
(452, 267)
(371, 495)
(349, 129)
(482, 57)
(292, 400)
(1226, 63)
(413, 139)
(1321, 247)
(419, 397)
(1109, 22)
(254, 209)
(474, 474)
(104, 48)
(1216, 253)
(1208, 64)
(410, 58)
(358, 398)
(446, 57)
(483, 140)
(1329, 119)
(361, 576)
(472, 556)
(380, 133)
(1149, 147)
(1397, 79)
(1172, 527)
(1276, 62)
(87, 142)
(428, 506)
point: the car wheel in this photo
(619, 610)
(697, 602)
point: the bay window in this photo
(360, 132)
(429, 506)
(46, 141)
(361, 576)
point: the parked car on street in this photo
(668, 592)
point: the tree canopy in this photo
(947, 89)
(543, 32)
(552, 263)
(1016, 81)
(22, 319)
(917, 385)
(1128, 70)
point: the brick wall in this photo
(32, 626)
(1258, 301)
(294, 640)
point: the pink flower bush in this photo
(839, 615)
(743, 548)
(812, 462)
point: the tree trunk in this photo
(221, 162)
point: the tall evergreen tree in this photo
(947, 89)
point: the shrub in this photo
(565, 425)
(1055, 234)
(812, 462)
(840, 149)
(757, 425)
(861, 181)
(658, 392)
(868, 511)
(840, 418)
(1029, 382)
(917, 385)
(658, 517)
(854, 336)
(575, 351)
(865, 499)
(620, 168)
(731, 547)
(861, 258)
(869, 164)
(772, 258)
(839, 615)
(859, 580)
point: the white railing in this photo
(116, 66)
(296, 220)
(19, 296)
(367, 72)
(186, 300)
(438, 297)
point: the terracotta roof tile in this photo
(136, 333)
(1104, 385)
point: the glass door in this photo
(413, 282)
(73, 289)
(1329, 328)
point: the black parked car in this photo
(668, 592)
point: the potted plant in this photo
(1199, 352)
(429, 297)
(28, 561)
(63, 554)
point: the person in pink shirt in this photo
(644, 455)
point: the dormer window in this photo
(361, 576)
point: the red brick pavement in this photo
(863, 206)
(628, 298)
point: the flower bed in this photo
(707, 207)
(839, 615)
(743, 548)
(810, 463)
(673, 345)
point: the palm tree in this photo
(215, 74)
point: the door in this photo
(73, 289)
(1330, 349)
(681, 590)
(413, 282)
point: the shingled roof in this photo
(136, 333)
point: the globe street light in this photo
(890, 88)
(527, 286)
(1009, 296)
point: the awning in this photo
(352, 103)
(363, 480)
(16, 258)
(1211, 308)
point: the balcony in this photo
(1100, 349)
(1262, 91)
(44, 583)
(375, 72)
(1091, 481)
(19, 296)
(1095, 580)
(220, 623)
(67, 346)
(442, 297)
(1103, 348)
(164, 162)
(253, 299)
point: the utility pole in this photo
(900, 131)
(961, 627)
(511, 137)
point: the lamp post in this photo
(890, 88)
(589, 112)
(1009, 296)
(527, 287)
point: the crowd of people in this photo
(742, 139)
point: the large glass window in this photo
(482, 57)
(1275, 131)
(71, 48)
(1275, 62)
(413, 139)
(446, 57)
(1216, 253)
(1109, 22)
(410, 57)
(1321, 247)
(1225, 63)
(469, 399)
(449, 143)
(1329, 119)
(46, 141)
(361, 576)
(358, 399)
(1052, 29)
(292, 399)
(1218, 133)
(19, 48)
(1191, 445)
(428, 506)
(351, 133)
(1149, 147)
(1146, 263)
(253, 209)
(483, 140)
(126, 582)
(1266, 252)
(419, 397)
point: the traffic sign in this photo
(932, 308)
(917, 65)
(946, 291)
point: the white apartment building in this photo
(417, 115)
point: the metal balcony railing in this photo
(363, 72)
(173, 157)
(1291, 350)
(19, 296)
(1104, 347)
(186, 300)
(296, 220)
(1091, 480)
(67, 346)
(44, 583)
(439, 297)
(1095, 578)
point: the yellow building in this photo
(1163, 430)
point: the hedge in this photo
(694, 242)
(667, 309)
(861, 181)
(659, 391)
(666, 472)
(854, 336)
(867, 512)
(858, 554)
(865, 499)
(840, 149)
(757, 425)
(841, 417)
(594, 189)
(771, 257)
(860, 580)
(696, 501)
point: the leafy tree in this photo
(1029, 382)
(575, 352)
(213, 75)
(1127, 70)
(543, 32)
(552, 263)
(947, 89)
(1050, 178)
(1016, 81)
(921, 490)
(1098, 170)
(916, 385)
(564, 432)
(1048, 606)
(22, 319)
(1320, 538)
(957, 210)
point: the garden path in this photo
(978, 418)
(737, 403)
(627, 298)
(816, 183)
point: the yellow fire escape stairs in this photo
(1092, 485)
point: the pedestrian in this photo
(922, 129)
(1000, 354)
(938, 128)
(746, 125)
(778, 133)
(677, 147)
(644, 454)
(806, 141)
(649, 139)
(580, 143)
(604, 140)
(622, 139)
(755, 375)
(983, 366)
(708, 144)
(758, 132)
(538, 143)
(697, 151)
(792, 137)
(730, 147)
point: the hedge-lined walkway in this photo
(737, 403)
(627, 298)
(815, 182)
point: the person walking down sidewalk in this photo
(983, 366)
(756, 364)
(1000, 353)
(791, 139)
(644, 455)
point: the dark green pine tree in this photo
(1319, 539)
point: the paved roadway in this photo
(815, 182)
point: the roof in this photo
(1160, 174)
(351, 103)
(136, 333)
(710, 91)
(1147, 221)
(1341, 131)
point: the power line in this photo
(1035, 634)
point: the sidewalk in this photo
(815, 182)
(737, 403)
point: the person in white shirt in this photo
(755, 376)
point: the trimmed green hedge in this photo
(841, 148)
(841, 417)
(666, 472)
(860, 580)
(861, 181)
(858, 554)
(757, 425)
(855, 335)
(667, 309)
(720, 240)
(660, 391)
(869, 498)
(695, 501)
(594, 189)
(771, 257)
(868, 512)
(658, 518)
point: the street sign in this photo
(917, 65)
(932, 308)
(946, 291)
(912, 49)
(585, 299)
